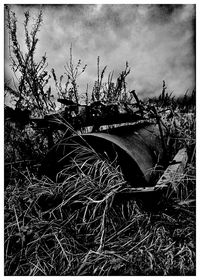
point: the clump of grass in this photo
(56, 221)
(77, 226)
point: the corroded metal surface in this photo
(137, 149)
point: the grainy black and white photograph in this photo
(99, 139)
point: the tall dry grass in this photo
(84, 225)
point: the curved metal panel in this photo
(138, 150)
(141, 148)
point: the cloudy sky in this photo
(158, 41)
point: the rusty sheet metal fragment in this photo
(138, 149)
(172, 175)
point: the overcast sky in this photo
(158, 41)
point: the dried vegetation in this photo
(83, 224)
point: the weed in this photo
(81, 223)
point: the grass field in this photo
(84, 226)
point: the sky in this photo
(158, 41)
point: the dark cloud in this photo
(163, 13)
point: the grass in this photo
(82, 226)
